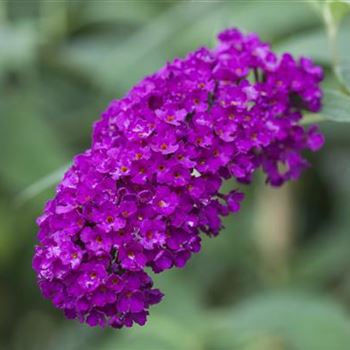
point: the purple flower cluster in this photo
(150, 183)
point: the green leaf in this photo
(18, 45)
(118, 12)
(7, 239)
(176, 324)
(343, 73)
(339, 9)
(41, 185)
(161, 333)
(119, 61)
(317, 5)
(336, 106)
(29, 148)
(310, 43)
(313, 43)
(310, 118)
(327, 258)
(333, 14)
(73, 336)
(291, 320)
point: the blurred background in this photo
(277, 277)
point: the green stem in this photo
(332, 31)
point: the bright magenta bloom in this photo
(149, 186)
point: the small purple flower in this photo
(233, 200)
(315, 139)
(152, 233)
(96, 318)
(165, 201)
(131, 301)
(131, 256)
(172, 116)
(103, 296)
(92, 276)
(164, 141)
(162, 261)
(106, 216)
(95, 239)
(176, 176)
(127, 208)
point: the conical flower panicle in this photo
(150, 184)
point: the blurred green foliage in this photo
(277, 278)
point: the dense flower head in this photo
(149, 186)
